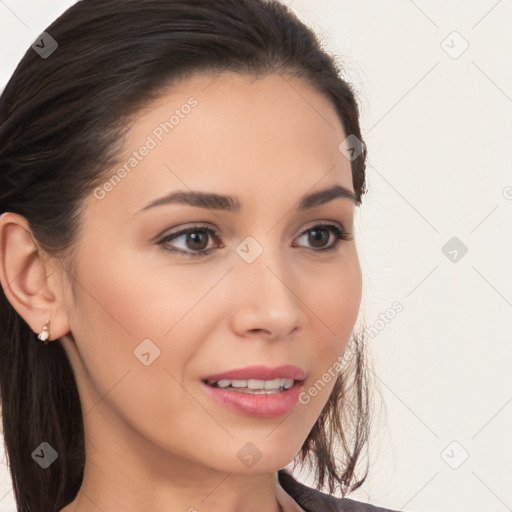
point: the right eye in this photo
(195, 240)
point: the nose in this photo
(265, 298)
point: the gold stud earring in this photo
(44, 335)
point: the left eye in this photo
(318, 235)
(195, 239)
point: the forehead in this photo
(234, 108)
(230, 133)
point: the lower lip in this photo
(261, 405)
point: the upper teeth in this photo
(256, 384)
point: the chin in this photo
(251, 459)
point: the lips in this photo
(259, 372)
(253, 400)
(267, 405)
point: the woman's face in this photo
(154, 316)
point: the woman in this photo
(178, 185)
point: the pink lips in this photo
(257, 405)
(260, 373)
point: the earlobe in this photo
(25, 278)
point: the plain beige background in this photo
(435, 84)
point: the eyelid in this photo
(207, 226)
(184, 227)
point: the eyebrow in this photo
(232, 204)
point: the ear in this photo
(30, 285)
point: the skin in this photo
(154, 439)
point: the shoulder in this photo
(312, 500)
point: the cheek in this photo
(129, 307)
(334, 305)
(135, 311)
(135, 296)
(334, 299)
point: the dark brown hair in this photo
(62, 123)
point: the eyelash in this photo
(339, 232)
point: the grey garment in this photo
(313, 500)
